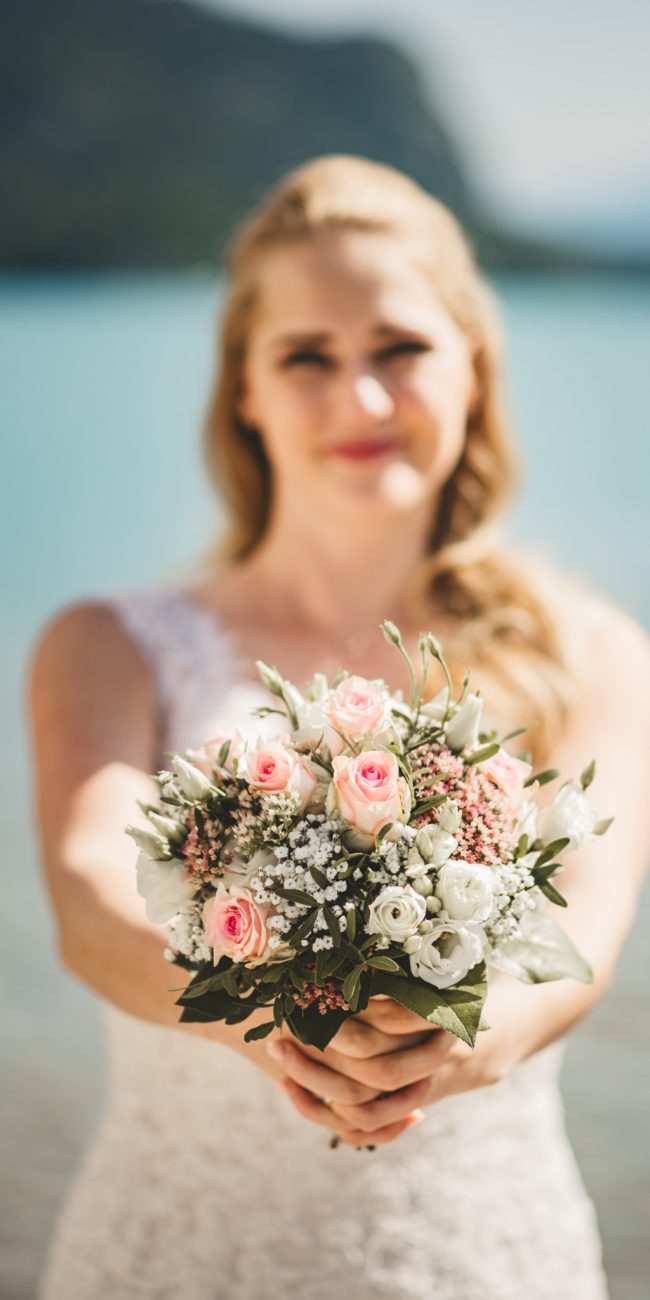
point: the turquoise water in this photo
(103, 382)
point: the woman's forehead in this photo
(318, 286)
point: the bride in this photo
(358, 434)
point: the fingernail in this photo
(416, 1117)
(276, 1050)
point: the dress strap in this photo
(189, 655)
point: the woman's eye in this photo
(299, 358)
(408, 345)
(319, 359)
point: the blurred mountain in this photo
(615, 222)
(137, 133)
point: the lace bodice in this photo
(204, 1182)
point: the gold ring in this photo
(327, 1101)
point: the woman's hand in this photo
(400, 1066)
(336, 1074)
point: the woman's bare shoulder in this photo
(88, 682)
(84, 637)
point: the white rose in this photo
(396, 913)
(463, 728)
(164, 887)
(446, 954)
(466, 890)
(568, 815)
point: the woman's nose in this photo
(366, 396)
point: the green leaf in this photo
(511, 734)
(314, 1029)
(456, 1009)
(541, 952)
(333, 962)
(425, 805)
(294, 895)
(542, 778)
(319, 876)
(319, 971)
(259, 1031)
(332, 924)
(303, 928)
(351, 924)
(522, 846)
(382, 833)
(603, 825)
(546, 872)
(553, 894)
(480, 755)
(384, 963)
(588, 775)
(351, 986)
(550, 850)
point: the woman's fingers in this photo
(390, 1017)
(395, 1069)
(383, 1111)
(318, 1078)
(360, 1039)
(319, 1113)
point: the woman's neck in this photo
(328, 581)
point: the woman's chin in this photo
(392, 488)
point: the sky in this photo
(549, 103)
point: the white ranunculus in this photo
(396, 913)
(463, 728)
(446, 953)
(569, 815)
(466, 890)
(192, 781)
(164, 887)
(527, 821)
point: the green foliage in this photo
(542, 953)
(456, 1009)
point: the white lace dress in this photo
(204, 1183)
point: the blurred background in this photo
(134, 136)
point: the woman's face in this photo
(356, 377)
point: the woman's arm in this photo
(92, 712)
(611, 722)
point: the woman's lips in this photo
(364, 448)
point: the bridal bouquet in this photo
(375, 846)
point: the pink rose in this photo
(507, 773)
(235, 925)
(273, 769)
(367, 791)
(357, 706)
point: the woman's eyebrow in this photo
(314, 338)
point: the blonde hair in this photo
(510, 614)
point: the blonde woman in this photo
(358, 433)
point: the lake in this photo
(104, 380)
